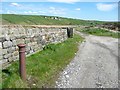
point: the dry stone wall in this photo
(34, 37)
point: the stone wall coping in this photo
(42, 26)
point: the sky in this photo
(104, 10)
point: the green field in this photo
(99, 32)
(44, 66)
(44, 20)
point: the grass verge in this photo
(99, 32)
(44, 67)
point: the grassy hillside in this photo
(44, 20)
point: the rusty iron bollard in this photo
(22, 67)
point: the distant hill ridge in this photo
(44, 20)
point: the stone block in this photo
(19, 41)
(2, 39)
(14, 42)
(27, 40)
(27, 48)
(16, 48)
(0, 52)
(4, 51)
(7, 38)
(11, 59)
(12, 38)
(4, 61)
(6, 56)
(11, 49)
(15, 53)
(16, 58)
(7, 44)
(1, 45)
(1, 57)
(43, 37)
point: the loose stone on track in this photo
(94, 66)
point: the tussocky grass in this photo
(44, 67)
(99, 32)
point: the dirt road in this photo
(94, 66)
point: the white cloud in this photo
(30, 12)
(56, 11)
(52, 8)
(64, 1)
(106, 7)
(11, 12)
(46, 10)
(61, 1)
(15, 4)
(41, 12)
(78, 9)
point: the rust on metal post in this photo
(22, 67)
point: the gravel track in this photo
(94, 66)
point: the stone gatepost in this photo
(70, 32)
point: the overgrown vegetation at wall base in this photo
(99, 32)
(42, 67)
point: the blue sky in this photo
(103, 11)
